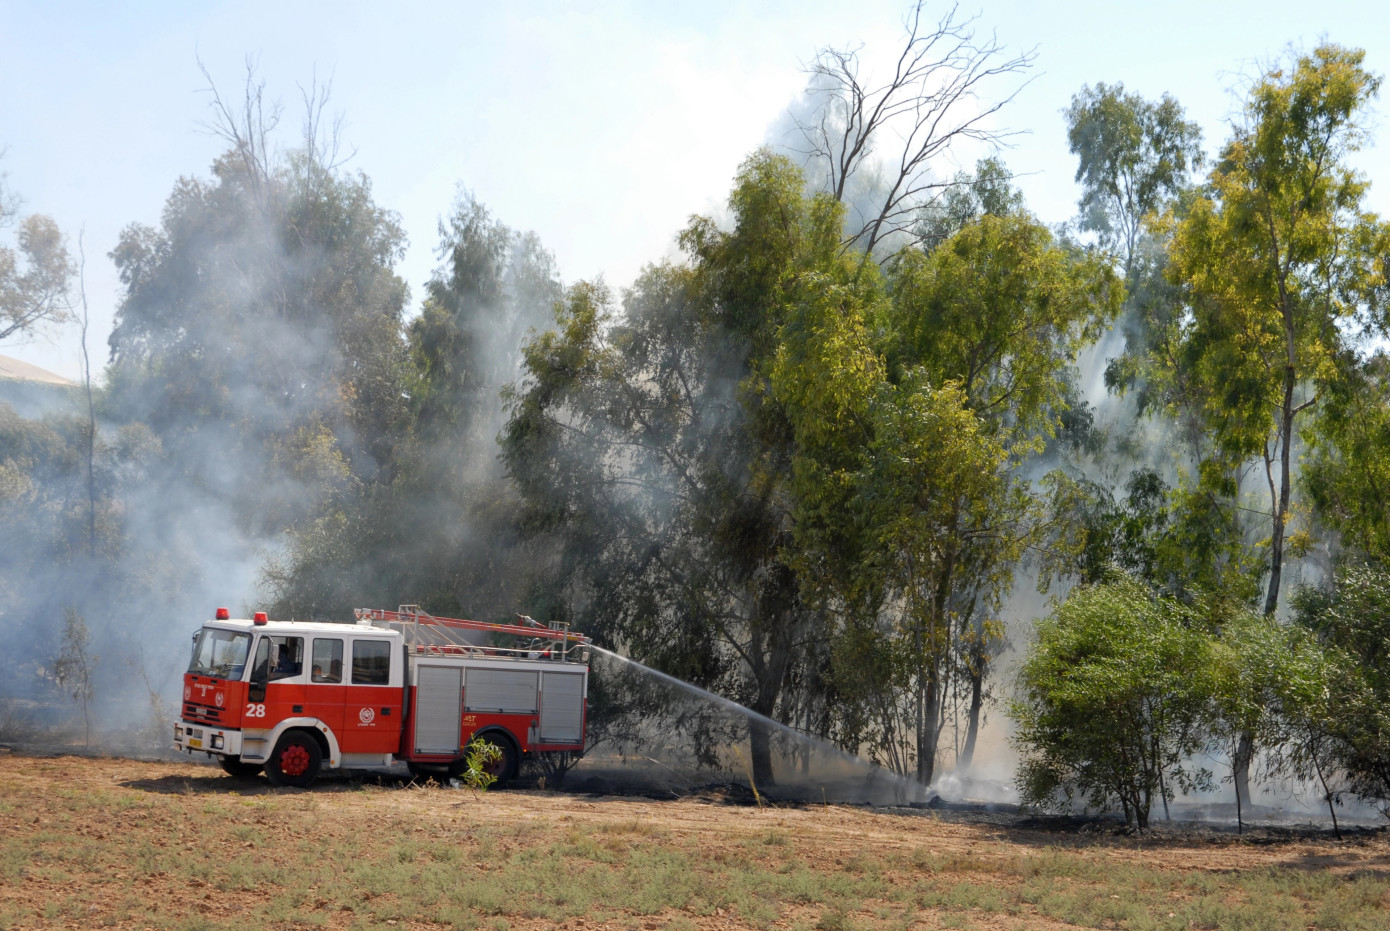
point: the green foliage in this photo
(1353, 621)
(908, 414)
(1096, 534)
(987, 192)
(1347, 471)
(653, 449)
(440, 524)
(1002, 309)
(1278, 260)
(1133, 155)
(34, 292)
(482, 756)
(1273, 687)
(1112, 701)
(1176, 540)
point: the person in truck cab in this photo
(285, 666)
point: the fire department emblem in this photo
(218, 699)
(366, 715)
(187, 692)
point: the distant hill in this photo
(23, 371)
(33, 391)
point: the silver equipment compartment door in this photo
(562, 707)
(438, 703)
(500, 691)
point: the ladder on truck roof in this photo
(446, 636)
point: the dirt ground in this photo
(104, 806)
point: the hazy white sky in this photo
(600, 125)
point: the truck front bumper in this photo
(190, 736)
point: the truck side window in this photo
(289, 657)
(371, 662)
(328, 661)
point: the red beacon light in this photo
(259, 618)
(223, 614)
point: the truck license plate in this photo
(195, 742)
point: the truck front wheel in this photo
(234, 767)
(295, 761)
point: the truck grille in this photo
(194, 712)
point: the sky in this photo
(602, 126)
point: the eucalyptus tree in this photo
(440, 529)
(1279, 267)
(259, 338)
(36, 273)
(262, 320)
(1133, 157)
(652, 449)
(912, 410)
(1279, 261)
(1001, 311)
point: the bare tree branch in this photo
(246, 128)
(322, 147)
(932, 101)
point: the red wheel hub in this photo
(294, 761)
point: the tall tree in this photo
(1133, 156)
(655, 451)
(1001, 311)
(1278, 257)
(911, 416)
(261, 328)
(442, 531)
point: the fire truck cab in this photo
(292, 698)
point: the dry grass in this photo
(116, 843)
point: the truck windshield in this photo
(220, 653)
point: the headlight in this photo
(217, 742)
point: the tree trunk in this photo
(972, 728)
(806, 747)
(1281, 511)
(760, 752)
(1240, 774)
(770, 651)
(927, 732)
(91, 406)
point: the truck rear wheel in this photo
(504, 769)
(234, 767)
(295, 761)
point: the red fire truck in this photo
(292, 698)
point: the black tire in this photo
(505, 769)
(295, 761)
(235, 768)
